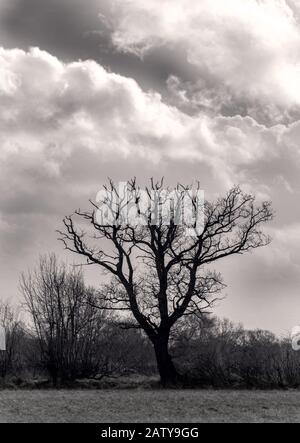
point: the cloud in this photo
(57, 25)
(64, 127)
(49, 110)
(247, 53)
(77, 104)
(58, 119)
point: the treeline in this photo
(224, 355)
(59, 358)
(69, 335)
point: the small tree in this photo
(67, 324)
(158, 273)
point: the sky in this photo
(190, 90)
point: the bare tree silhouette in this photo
(158, 273)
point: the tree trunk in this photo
(167, 371)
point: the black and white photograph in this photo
(149, 214)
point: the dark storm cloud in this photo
(55, 25)
(74, 29)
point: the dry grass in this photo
(149, 406)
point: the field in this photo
(139, 405)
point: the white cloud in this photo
(49, 111)
(248, 50)
(49, 107)
(52, 112)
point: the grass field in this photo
(148, 406)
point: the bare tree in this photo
(67, 325)
(159, 274)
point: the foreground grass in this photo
(148, 406)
